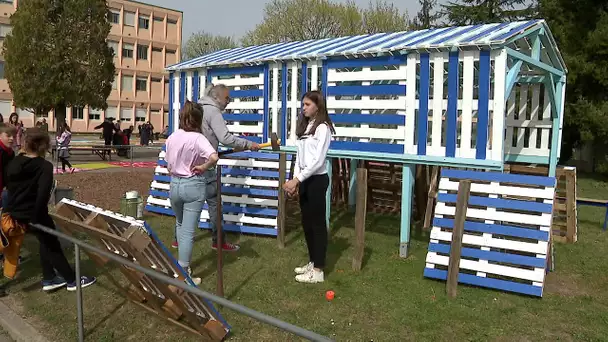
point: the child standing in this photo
(63, 145)
(189, 155)
(7, 137)
(29, 180)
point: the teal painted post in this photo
(407, 195)
(555, 122)
(328, 194)
(352, 185)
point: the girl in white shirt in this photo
(314, 133)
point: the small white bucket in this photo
(131, 194)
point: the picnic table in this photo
(100, 150)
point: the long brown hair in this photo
(37, 141)
(191, 117)
(322, 116)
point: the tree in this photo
(425, 18)
(470, 12)
(294, 20)
(580, 29)
(57, 56)
(202, 43)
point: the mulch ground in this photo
(105, 188)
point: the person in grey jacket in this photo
(215, 130)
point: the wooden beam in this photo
(534, 63)
(462, 203)
(360, 216)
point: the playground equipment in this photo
(473, 97)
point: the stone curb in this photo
(17, 327)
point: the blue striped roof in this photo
(438, 38)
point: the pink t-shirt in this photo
(186, 150)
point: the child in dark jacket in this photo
(29, 184)
(7, 137)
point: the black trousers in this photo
(51, 253)
(64, 162)
(312, 206)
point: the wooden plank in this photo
(462, 204)
(282, 201)
(360, 215)
(421, 191)
(571, 219)
(431, 198)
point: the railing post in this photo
(131, 153)
(220, 240)
(79, 294)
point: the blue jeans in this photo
(4, 198)
(187, 196)
(211, 177)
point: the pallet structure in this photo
(461, 97)
(135, 241)
(507, 232)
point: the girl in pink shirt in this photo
(188, 155)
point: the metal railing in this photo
(312, 336)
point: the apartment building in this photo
(145, 39)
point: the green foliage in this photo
(426, 17)
(580, 29)
(469, 12)
(293, 20)
(202, 43)
(57, 55)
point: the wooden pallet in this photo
(135, 240)
(506, 242)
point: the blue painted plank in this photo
(316, 47)
(499, 177)
(171, 100)
(423, 106)
(487, 282)
(342, 62)
(266, 101)
(367, 147)
(195, 82)
(483, 33)
(236, 71)
(452, 112)
(483, 112)
(226, 226)
(430, 37)
(324, 80)
(514, 30)
(249, 191)
(500, 203)
(408, 38)
(162, 179)
(479, 227)
(370, 90)
(283, 119)
(182, 88)
(162, 162)
(371, 119)
(246, 93)
(514, 259)
(453, 35)
(243, 117)
(304, 81)
(228, 208)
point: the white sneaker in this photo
(304, 269)
(310, 277)
(196, 280)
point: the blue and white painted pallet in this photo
(506, 240)
(250, 184)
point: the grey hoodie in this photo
(215, 129)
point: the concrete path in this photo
(17, 328)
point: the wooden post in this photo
(430, 202)
(570, 177)
(360, 214)
(282, 200)
(462, 203)
(220, 240)
(421, 191)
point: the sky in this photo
(235, 17)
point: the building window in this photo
(140, 114)
(94, 114)
(127, 50)
(161, 19)
(111, 112)
(126, 114)
(6, 1)
(171, 21)
(142, 52)
(156, 79)
(129, 19)
(157, 49)
(115, 82)
(5, 30)
(127, 83)
(114, 46)
(144, 22)
(114, 16)
(78, 113)
(170, 52)
(1, 69)
(141, 84)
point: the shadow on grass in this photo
(237, 289)
(210, 258)
(91, 330)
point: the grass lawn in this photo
(388, 300)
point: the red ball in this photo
(330, 295)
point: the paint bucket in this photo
(133, 207)
(131, 195)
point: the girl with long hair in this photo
(64, 137)
(13, 120)
(314, 131)
(188, 155)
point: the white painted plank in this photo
(437, 104)
(236, 82)
(410, 103)
(540, 220)
(367, 75)
(293, 105)
(396, 104)
(468, 74)
(371, 133)
(314, 76)
(164, 202)
(189, 76)
(539, 247)
(500, 69)
(535, 89)
(246, 105)
(275, 97)
(498, 189)
(544, 138)
(249, 181)
(523, 108)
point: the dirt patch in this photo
(566, 285)
(105, 188)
